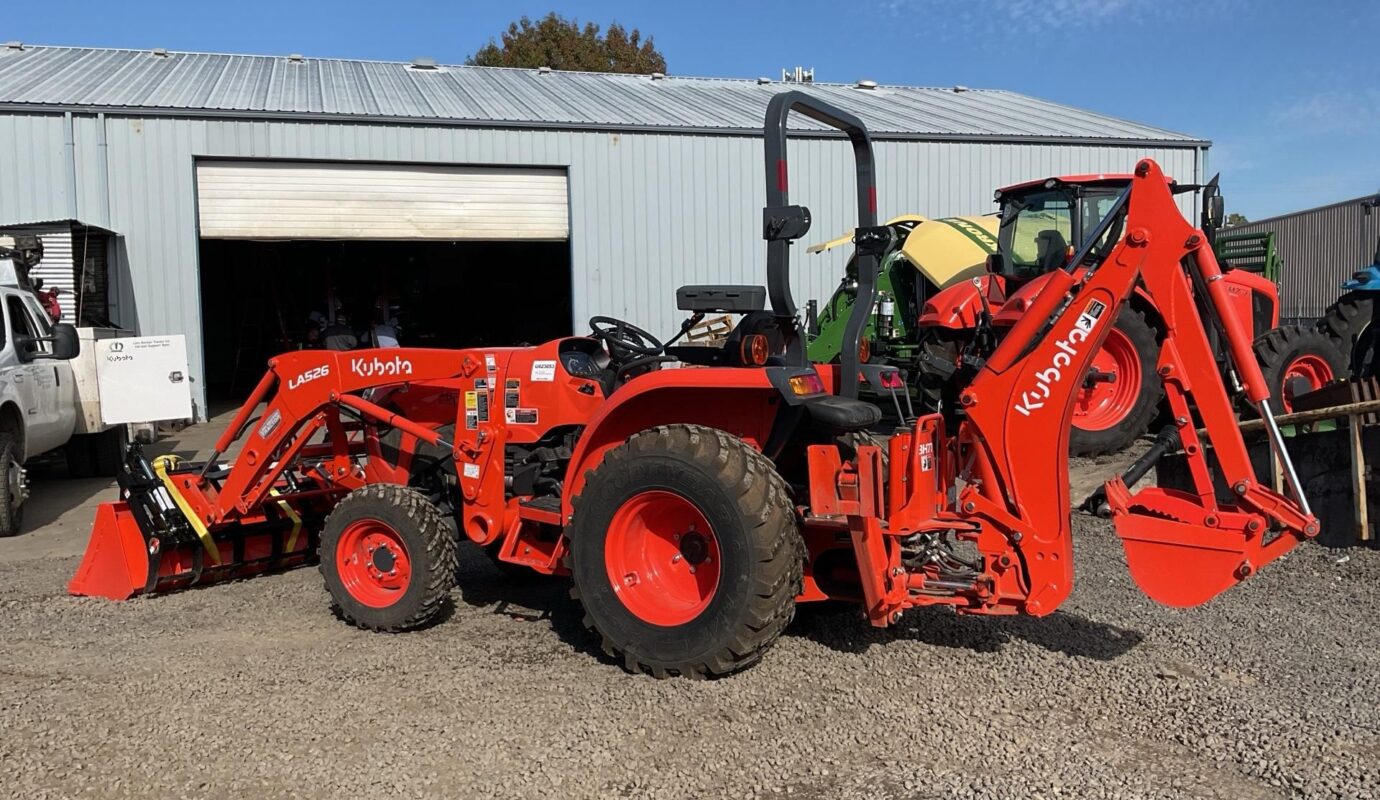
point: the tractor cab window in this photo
(1036, 232)
(1096, 203)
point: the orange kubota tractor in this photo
(695, 495)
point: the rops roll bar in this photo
(782, 223)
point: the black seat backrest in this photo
(728, 299)
(1051, 249)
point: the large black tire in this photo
(1295, 360)
(108, 450)
(1344, 323)
(406, 517)
(748, 510)
(79, 457)
(12, 488)
(1136, 421)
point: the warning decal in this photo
(520, 416)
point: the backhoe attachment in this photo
(999, 486)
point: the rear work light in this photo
(754, 350)
(807, 384)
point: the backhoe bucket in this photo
(1181, 557)
(150, 541)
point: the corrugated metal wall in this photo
(649, 212)
(1321, 247)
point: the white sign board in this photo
(143, 379)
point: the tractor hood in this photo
(952, 249)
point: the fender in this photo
(959, 306)
(1243, 288)
(742, 402)
(1020, 301)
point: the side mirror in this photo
(1217, 211)
(66, 345)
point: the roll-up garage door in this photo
(294, 200)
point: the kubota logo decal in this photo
(309, 376)
(1064, 352)
(369, 367)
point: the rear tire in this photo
(632, 553)
(1344, 323)
(1124, 414)
(388, 558)
(108, 450)
(79, 457)
(1295, 360)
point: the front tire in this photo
(14, 488)
(388, 558)
(685, 553)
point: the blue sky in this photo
(1289, 92)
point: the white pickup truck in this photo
(38, 398)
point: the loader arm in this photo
(304, 391)
(1182, 548)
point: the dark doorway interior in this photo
(257, 297)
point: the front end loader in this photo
(693, 508)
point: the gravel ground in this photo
(253, 689)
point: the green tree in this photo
(1234, 219)
(560, 43)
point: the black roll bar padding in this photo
(783, 222)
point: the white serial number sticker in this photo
(543, 371)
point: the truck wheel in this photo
(388, 558)
(108, 450)
(78, 452)
(1110, 414)
(15, 488)
(685, 553)
(1345, 322)
(1297, 360)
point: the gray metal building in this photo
(617, 187)
(1320, 248)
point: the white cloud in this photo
(1334, 111)
(1032, 16)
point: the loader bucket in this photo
(149, 541)
(116, 563)
(121, 561)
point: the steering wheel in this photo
(624, 337)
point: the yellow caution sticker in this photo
(161, 465)
(291, 514)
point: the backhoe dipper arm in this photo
(1182, 548)
(297, 388)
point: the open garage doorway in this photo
(260, 298)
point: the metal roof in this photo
(202, 84)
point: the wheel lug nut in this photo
(675, 559)
(692, 570)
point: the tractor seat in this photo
(841, 414)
